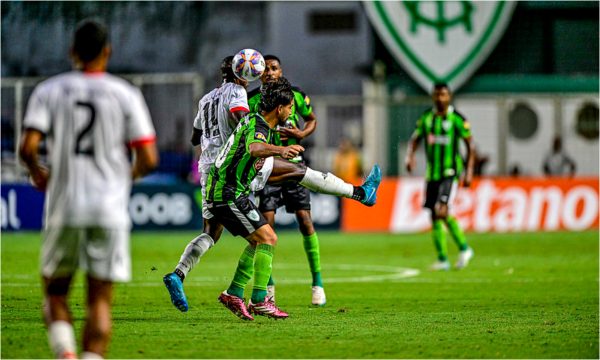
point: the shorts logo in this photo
(253, 215)
(259, 164)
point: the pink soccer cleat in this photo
(235, 305)
(267, 308)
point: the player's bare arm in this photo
(145, 160)
(29, 153)
(264, 150)
(409, 160)
(196, 136)
(310, 124)
(470, 161)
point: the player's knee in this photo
(270, 239)
(300, 170)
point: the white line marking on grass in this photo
(390, 273)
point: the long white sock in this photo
(62, 339)
(193, 252)
(90, 355)
(326, 183)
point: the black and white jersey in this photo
(215, 120)
(89, 120)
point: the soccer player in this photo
(218, 112)
(228, 187)
(442, 128)
(88, 118)
(295, 197)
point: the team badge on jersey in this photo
(466, 125)
(446, 125)
(307, 100)
(260, 136)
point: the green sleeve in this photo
(258, 133)
(464, 127)
(253, 103)
(302, 104)
(419, 128)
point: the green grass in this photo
(523, 296)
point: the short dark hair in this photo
(226, 70)
(90, 38)
(441, 85)
(275, 93)
(271, 57)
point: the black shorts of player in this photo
(240, 217)
(293, 195)
(438, 191)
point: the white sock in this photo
(326, 183)
(193, 252)
(62, 339)
(90, 355)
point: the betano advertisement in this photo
(489, 205)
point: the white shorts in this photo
(102, 253)
(261, 178)
(204, 169)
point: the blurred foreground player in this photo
(88, 118)
(442, 127)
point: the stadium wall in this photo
(489, 205)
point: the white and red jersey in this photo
(215, 120)
(89, 120)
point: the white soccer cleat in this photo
(318, 296)
(463, 258)
(440, 266)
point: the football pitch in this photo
(529, 295)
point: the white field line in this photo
(390, 273)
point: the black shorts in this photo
(240, 217)
(439, 191)
(293, 195)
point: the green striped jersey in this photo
(301, 107)
(442, 137)
(231, 174)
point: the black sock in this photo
(180, 274)
(358, 193)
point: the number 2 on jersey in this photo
(86, 131)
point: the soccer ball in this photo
(248, 64)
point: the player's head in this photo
(90, 43)
(272, 69)
(441, 96)
(227, 72)
(277, 96)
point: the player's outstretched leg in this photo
(175, 287)
(371, 185)
(330, 184)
